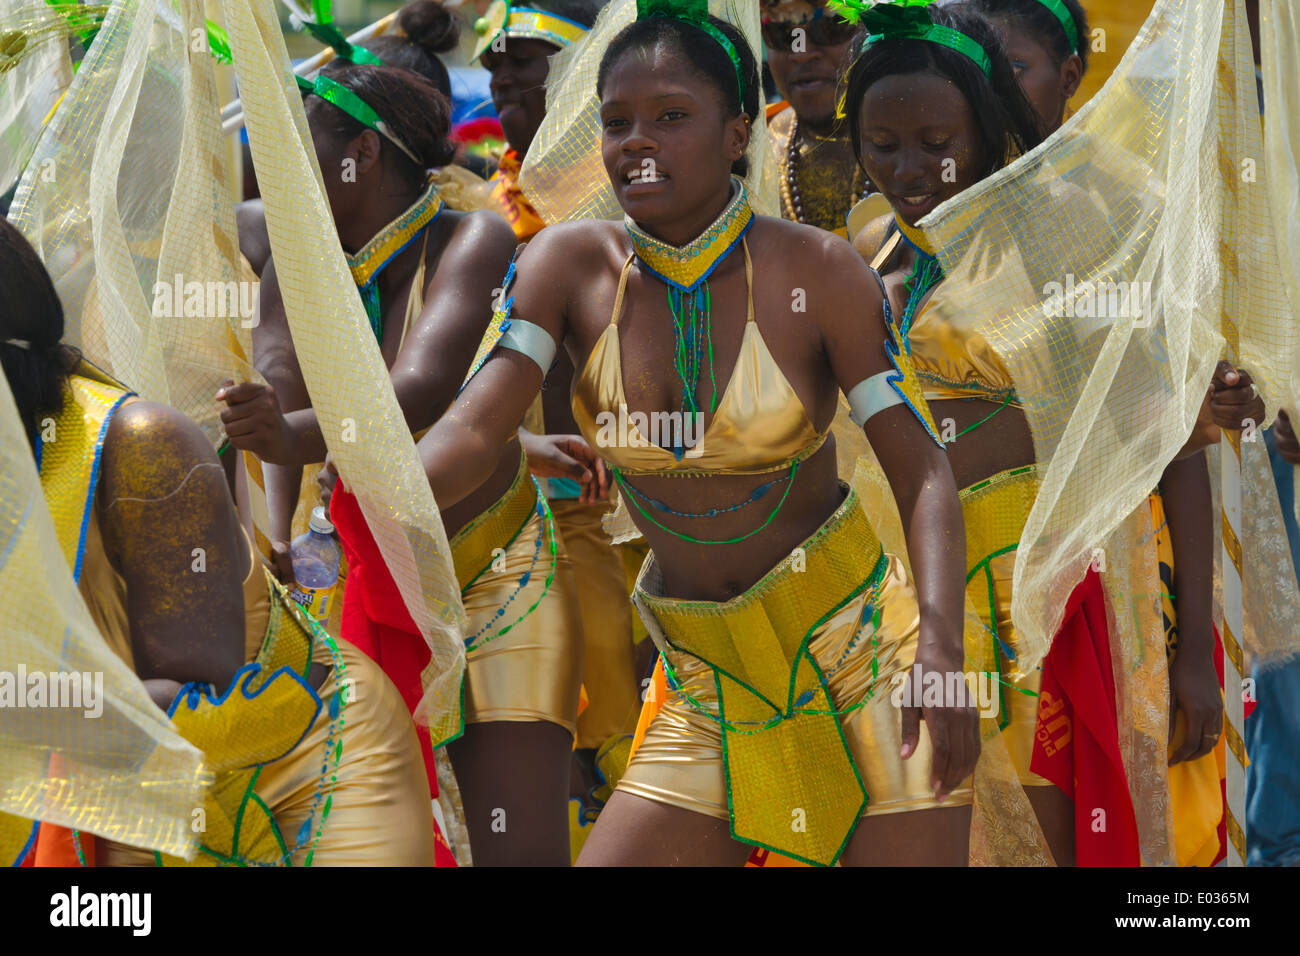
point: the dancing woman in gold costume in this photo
(965, 382)
(782, 621)
(151, 536)
(426, 275)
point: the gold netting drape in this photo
(344, 372)
(33, 84)
(126, 774)
(126, 199)
(563, 175)
(1102, 266)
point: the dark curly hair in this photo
(428, 28)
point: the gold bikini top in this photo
(950, 362)
(760, 424)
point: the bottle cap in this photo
(320, 521)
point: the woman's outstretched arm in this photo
(461, 450)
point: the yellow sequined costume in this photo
(377, 807)
(781, 698)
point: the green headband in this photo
(1062, 13)
(909, 20)
(361, 111)
(696, 13)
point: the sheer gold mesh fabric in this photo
(1146, 184)
(29, 85)
(1280, 41)
(563, 175)
(124, 773)
(341, 365)
(126, 199)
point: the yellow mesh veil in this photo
(563, 175)
(134, 105)
(1144, 184)
(30, 85)
(125, 773)
(1109, 268)
(345, 375)
(1280, 40)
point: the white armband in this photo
(532, 340)
(873, 395)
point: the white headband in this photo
(19, 343)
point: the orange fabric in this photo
(774, 108)
(654, 702)
(508, 199)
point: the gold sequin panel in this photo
(680, 762)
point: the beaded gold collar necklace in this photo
(385, 246)
(685, 267)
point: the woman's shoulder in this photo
(577, 247)
(802, 246)
(150, 447)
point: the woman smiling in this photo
(780, 619)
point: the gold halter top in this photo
(950, 362)
(760, 424)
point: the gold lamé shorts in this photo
(379, 812)
(524, 659)
(680, 761)
(995, 511)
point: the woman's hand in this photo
(566, 456)
(1194, 690)
(953, 722)
(1234, 399)
(1284, 435)
(254, 422)
(326, 479)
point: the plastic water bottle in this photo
(316, 558)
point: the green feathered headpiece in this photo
(908, 20)
(696, 13)
(323, 29)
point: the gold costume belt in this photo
(792, 785)
(472, 546)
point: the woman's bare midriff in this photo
(722, 571)
(1002, 442)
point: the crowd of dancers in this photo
(732, 491)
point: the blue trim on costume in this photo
(892, 351)
(27, 847)
(708, 272)
(94, 481)
(193, 694)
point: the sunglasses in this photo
(820, 31)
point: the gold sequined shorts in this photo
(996, 510)
(680, 761)
(524, 661)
